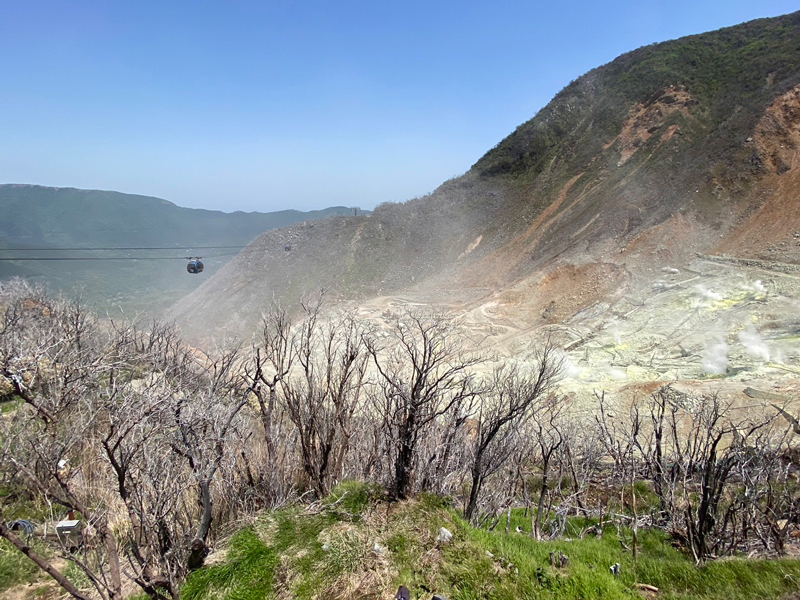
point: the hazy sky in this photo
(279, 104)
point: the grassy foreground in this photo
(365, 548)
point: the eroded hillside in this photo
(620, 217)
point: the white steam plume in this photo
(708, 293)
(571, 370)
(613, 328)
(715, 362)
(754, 343)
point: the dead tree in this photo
(652, 443)
(423, 373)
(443, 452)
(323, 396)
(203, 422)
(272, 362)
(715, 444)
(102, 433)
(582, 455)
(768, 504)
(48, 356)
(698, 451)
(548, 438)
(514, 394)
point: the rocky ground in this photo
(717, 325)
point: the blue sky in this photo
(282, 104)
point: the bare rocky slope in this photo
(649, 212)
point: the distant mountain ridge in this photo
(43, 215)
(678, 148)
(36, 216)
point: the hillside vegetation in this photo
(46, 217)
(364, 548)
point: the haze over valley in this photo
(65, 239)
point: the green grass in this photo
(9, 404)
(76, 575)
(357, 496)
(588, 574)
(294, 553)
(300, 555)
(21, 504)
(15, 568)
(247, 573)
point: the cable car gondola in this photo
(195, 265)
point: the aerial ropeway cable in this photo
(97, 248)
(28, 258)
(195, 264)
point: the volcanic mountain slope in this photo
(584, 218)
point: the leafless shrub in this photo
(121, 427)
(717, 472)
(326, 393)
(154, 445)
(512, 396)
(548, 439)
(423, 374)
